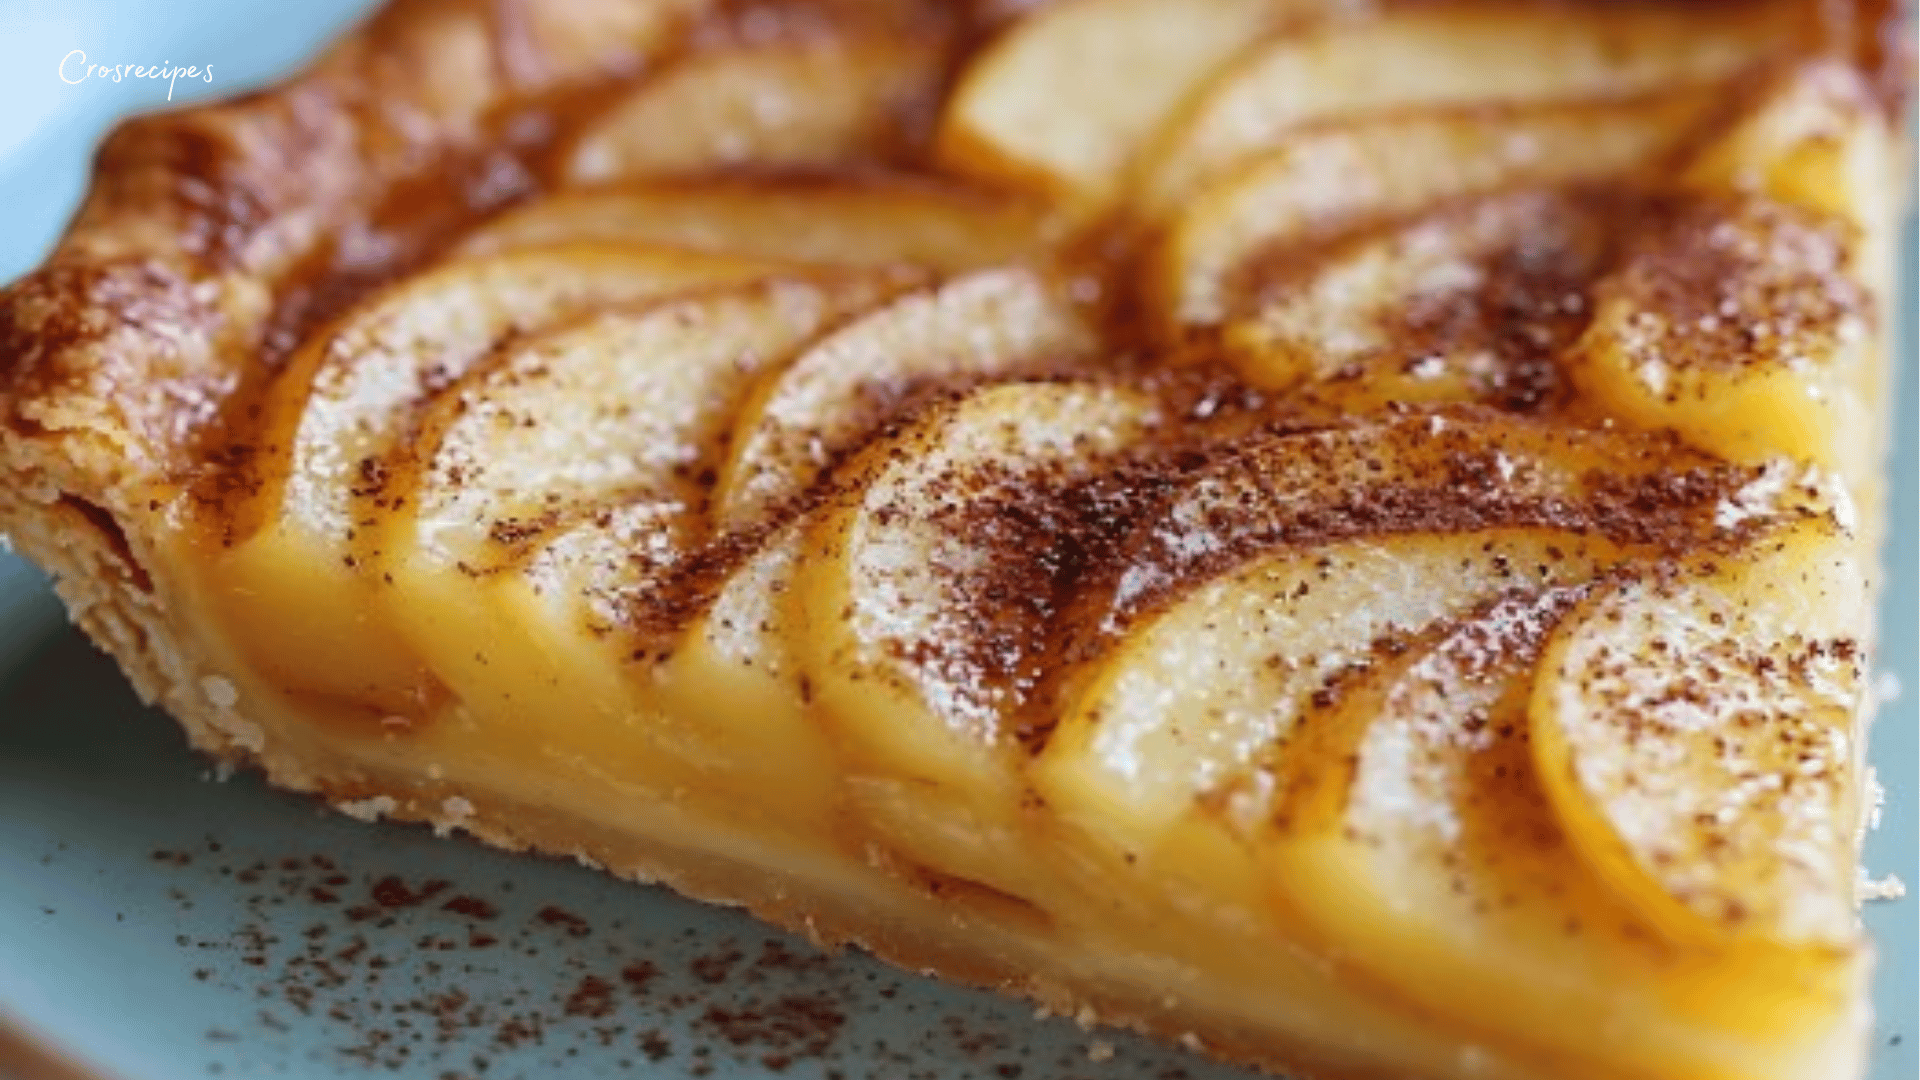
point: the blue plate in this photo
(157, 924)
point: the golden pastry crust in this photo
(214, 241)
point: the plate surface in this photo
(158, 925)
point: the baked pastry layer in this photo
(1342, 535)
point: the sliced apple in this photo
(1736, 324)
(1473, 303)
(809, 102)
(1746, 318)
(1413, 795)
(1816, 142)
(581, 454)
(1416, 58)
(1454, 470)
(1412, 839)
(1694, 729)
(1812, 140)
(992, 323)
(347, 398)
(1184, 703)
(839, 221)
(1063, 101)
(340, 409)
(927, 595)
(733, 662)
(1218, 247)
(629, 402)
(1283, 562)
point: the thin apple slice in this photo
(347, 398)
(1063, 101)
(1452, 470)
(1736, 324)
(1185, 702)
(633, 401)
(991, 323)
(1335, 178)
(734, 663)
(1425, 59)
(1282, 563)
(1412, 838)
(1474, 303)
(564, 481)
(1745, 317)
(1694, 728)
(344, 404)
(1815, 142)
(1392, 854)
(863, 221)
(809, 102)
(927, 593)
(1810, 141)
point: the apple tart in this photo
(1340, 534)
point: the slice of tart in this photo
(1343, 536)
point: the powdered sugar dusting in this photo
(1758, 498)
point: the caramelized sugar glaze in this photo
(709, 356)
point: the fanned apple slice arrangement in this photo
(1358, 501)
